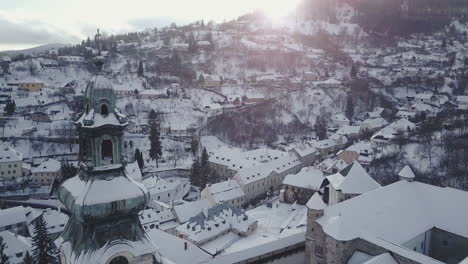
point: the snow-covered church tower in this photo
(103, 199)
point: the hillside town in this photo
(247, 141)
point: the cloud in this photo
(32, 32)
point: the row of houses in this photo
(252, 174)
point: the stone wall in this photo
(448, 247)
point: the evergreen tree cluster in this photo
(44, 249)
(10, 107)
(201, 173)
(68, 170)
(154, 137)
(320, 128)
(3, 256)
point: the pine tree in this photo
(349, 107)
(68, 170)
(353, 72)
(10, 107)
(3, 257)
(194, 146)
(195, 173)
(201, 80)
(141, 70)
(28, 259)
(139, 158)
(205, 170)
(44, 251)
(155, 152)
(152, 117)
(320, 128)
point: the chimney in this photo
(185, 245)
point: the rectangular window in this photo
(318, 251)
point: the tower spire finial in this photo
(99, 61)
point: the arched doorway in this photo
(119, 260)
(106, 151)
(104, 110)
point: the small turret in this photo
(406, 174)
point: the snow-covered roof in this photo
(263, 154)
(375, 122)
(50, 165)
(226, 191)
(348, 130)
(361, 147)
(55, 220)
(188, 210)
(149, 216)
(353, 180)
(12, 216)
(153, 92)
(215, 221)
(393, 215)
(325, 143)
(8, 154)
(316, 202)
(255, 173)
(16, 246)
(176, 249)
(308, 178)
(209, 77)
(330, 163)
(203, 42)
(133, 170)
(94, 120)
(462, 98)
(421, 107)
(340, 118)
(406, 173)
(304, 150)
(403, 124)
(359, 257)
(424, 96)
(386, 133)
(285, 163)
(157, 185)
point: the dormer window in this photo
(104, 110)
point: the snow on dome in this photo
(406, 173)
(316, 202)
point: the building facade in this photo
(10, 163)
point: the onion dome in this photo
(103, 193)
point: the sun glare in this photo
(276, 9)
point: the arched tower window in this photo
(104, 110)
(106, 151)
(119, 260)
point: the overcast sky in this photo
(28, 23)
